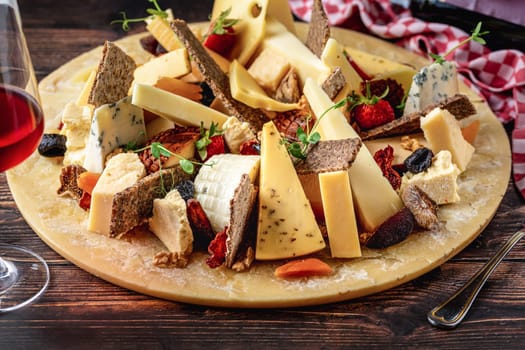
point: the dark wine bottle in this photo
(502, 34)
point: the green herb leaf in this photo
(187, 166)
(475, 36)
(125, 21)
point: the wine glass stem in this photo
(8, 275)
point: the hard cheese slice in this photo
(244, 88)
(333, 56)
(339, 214)
(175, 108)
(172, 65)
(442, 131)
(287, 45)
(374, 197)
(286, 226)
(250, 28)
(122, 171)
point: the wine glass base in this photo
(24, 277)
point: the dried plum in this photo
(186, 189)
(394, 230)
(207, 94)
(52, 145)
(419, 161)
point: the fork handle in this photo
(451, 312)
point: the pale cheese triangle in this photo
(286, 226)
(374, 197)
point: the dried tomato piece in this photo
(200, 224)
(251, 147)
(384, 158)
(217, 249)
(85, 201)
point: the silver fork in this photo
(451, 312)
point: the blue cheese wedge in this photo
(432, 84)
(113, 125)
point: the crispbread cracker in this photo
(330, 155)
(318, 30)
(216, 78)
(114, 76)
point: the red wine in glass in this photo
(24, 275)
(22, 125)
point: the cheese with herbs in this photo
(175, 108)
(375, 199)
(439, 181)
(432, 84)
(122, 171)
(113, 125)
(443, 132)
(339, 214)
(286, 227)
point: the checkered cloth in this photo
(498, 76)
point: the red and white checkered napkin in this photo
(498, 76)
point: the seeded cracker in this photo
(459, 105)
(216, 78)
(114, 76)
(330, 155)
(334, 83)
(318, 30)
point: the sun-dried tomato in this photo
(251, 147)
(217, 249)
(85, 201)
(384, 158)
(200, 224)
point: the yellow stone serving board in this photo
(128, 262)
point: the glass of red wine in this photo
(24, 275)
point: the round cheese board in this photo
(128, 262)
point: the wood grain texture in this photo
(81, 311)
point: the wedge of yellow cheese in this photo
(162, 32)
(333, 56)
(245, 89)
(268, 69)
(343, 235)
(375, 199)
(281, 11)
(121, 171)
(287, 45)
(286, 227)
(443, 132)
(251, 26)
(83, 97)
(173, 64)
(175, 108)
(372, 64)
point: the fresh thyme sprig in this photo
(476, 36)
(156, 11)
(309, 137)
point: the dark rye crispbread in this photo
(334, 83)
(133, 205)
(459, 105)
(68, 181)
(240, 209)
(318, 30)
(329, 155)
(216, 78)
(114, 76)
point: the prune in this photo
(394, 230)
(419, 161)
(207, 94)
(52, 145)
(186, 189)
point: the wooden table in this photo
(81, 311)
